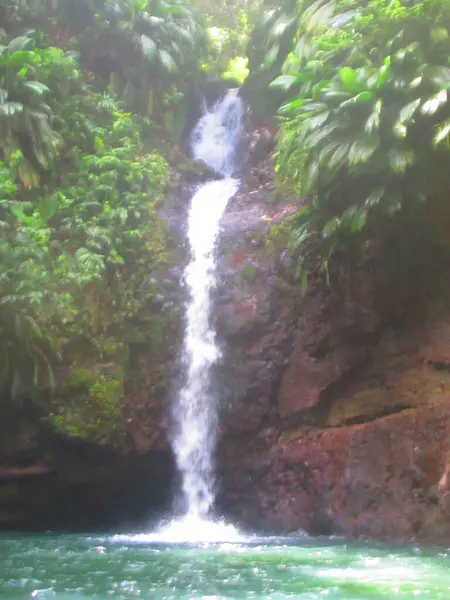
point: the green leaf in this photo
(37, 87)
(361, 150)
(284, 82)
(271, 55)
(303, 47)
(47, 207)
(439, 34)
(291, 106)
(20, 43)
(19, 59)
(408, 111)
(362, 97)
(10, 109)
(330, 227)
(17, 211)
(339, 156)
(382, 76)
(442, 134)
(374, 198)
(349, 78)
(91, 262)
(358, 221)
(433, 104)
(279, 27)
(399, 160)
(400, 130)
(149, 47)
(167, 60)
(304, 283)
(400, 54)
(373, 121)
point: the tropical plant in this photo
(25, 117)
(363, 133)
(144, 49)
(75, 253)
(274, 27)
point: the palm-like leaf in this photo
(359, 128)
(23, 112)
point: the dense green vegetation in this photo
(80, 182)
(92, 103)
(365, 120)
(93, 99)
(79, 194)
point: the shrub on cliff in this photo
(79, 232)
(364, 134)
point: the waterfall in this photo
(214, 140)
(194, 413)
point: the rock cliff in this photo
(335, 406)
(336, 418)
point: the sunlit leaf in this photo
(47, 207)
(37, 87)
(349, 78)
(148, 46)
(283, 81)
(167, 60)
(373, 121)
(330, 227)
(400, 130)
(433, 104)
(442, 134)
(399, 160)
(408, 111)
(20, 43)
(361, 150)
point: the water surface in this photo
(87, 568)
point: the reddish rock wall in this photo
(357, 440)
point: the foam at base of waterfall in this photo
(189, 529)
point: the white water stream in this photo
(214, 140)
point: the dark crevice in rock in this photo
(321, 412)
(9, 474)
(317, 416)
(439, 366)
(267, 419)
(380, 414)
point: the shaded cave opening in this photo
(87, 489)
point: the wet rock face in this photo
(334, 407)
(374, 480)
(357, 441)
(253, 316)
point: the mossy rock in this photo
(280, 235)
(250, 273)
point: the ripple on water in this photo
(80, 568)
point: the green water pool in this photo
(85, 568)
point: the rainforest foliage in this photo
(365, 115)
(91, 99)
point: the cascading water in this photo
(214, 140)
(195, 411)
